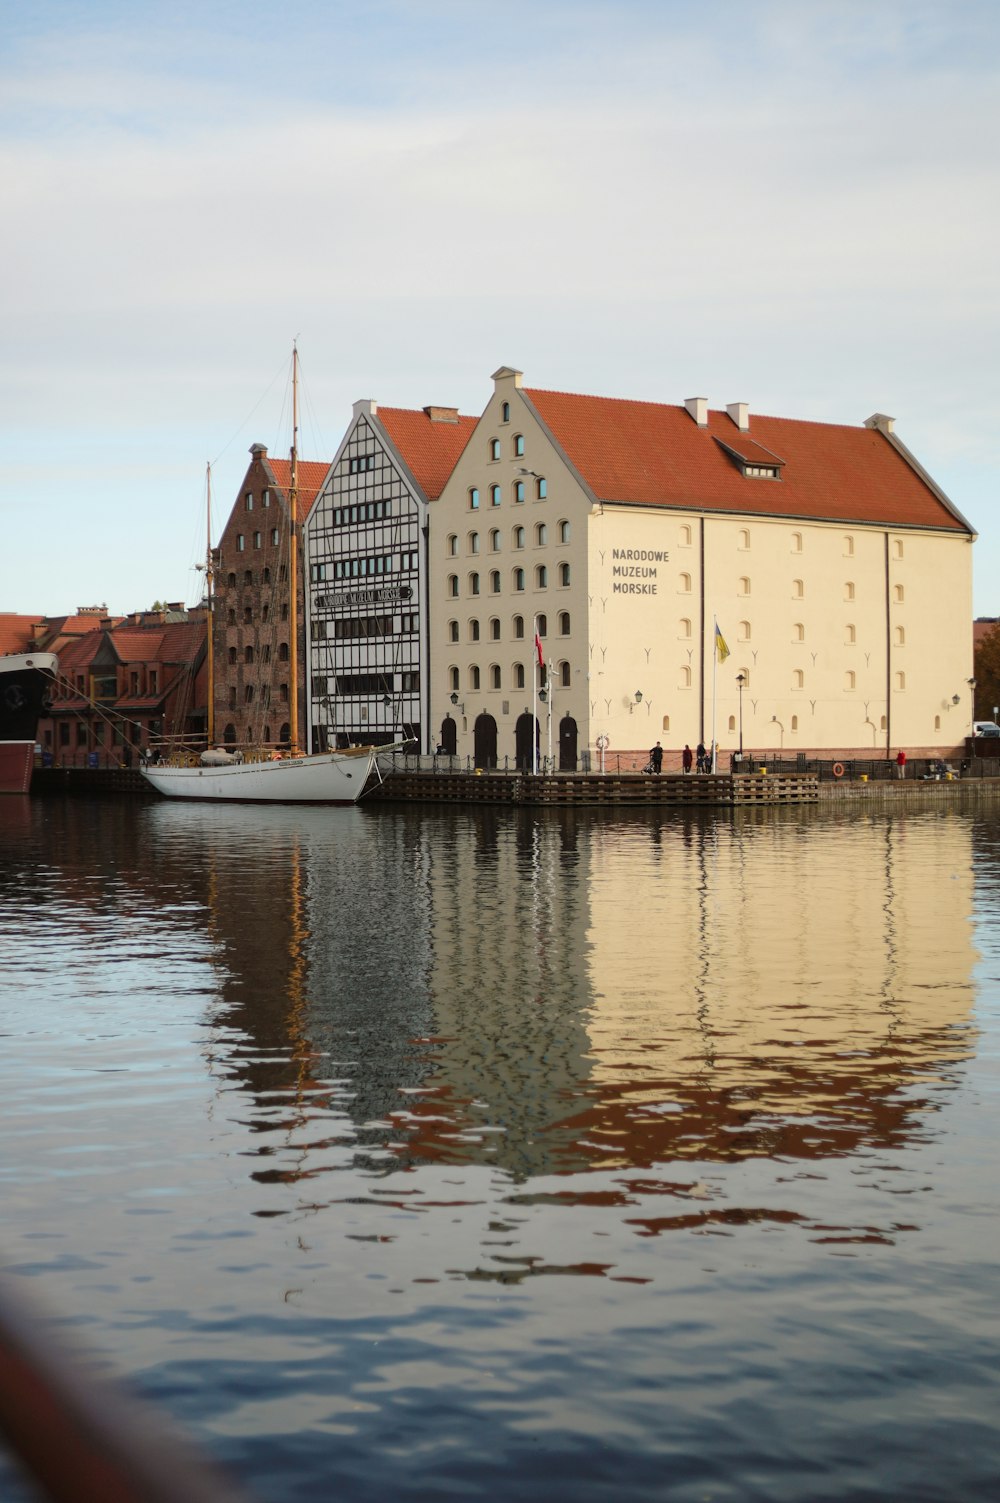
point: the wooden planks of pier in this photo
(573, 790)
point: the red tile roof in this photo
(311, 474)
(17, 632)
(644, 453)
(430, 450)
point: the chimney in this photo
(259, 450)
(442, 414)
(698, 408)
(365, 408)
(740, 414)
(880, 421)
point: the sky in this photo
(791, 204)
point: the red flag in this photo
(538, 649)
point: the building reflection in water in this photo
(578, 992)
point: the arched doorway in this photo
(449, 736)
(229, 735)
(567, 744)
(285, 734)
(522, 742)
(485, 741)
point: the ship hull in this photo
(25, 682)
(331, 778)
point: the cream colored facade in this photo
(852, 638)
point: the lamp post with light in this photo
(740, 681)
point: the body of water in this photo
(428, 1154)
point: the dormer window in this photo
(761, 471)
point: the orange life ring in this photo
(838, 769)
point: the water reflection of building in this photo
(572, 991)
(703, 989)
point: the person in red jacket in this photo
(901, 763)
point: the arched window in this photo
(541, 488)
(850, 634)
(453, 543)
(685, 535)
(265, 656)
(494, 448)
(798, 589)
(541, 577)
(685, 584)
(452, 584)
(518, 491)
(494, 495)
(474, 498)
(452, 631)
(937, 722)
(798, 632)
(542, 625)
(282, 652)
(744, 588)
(541, 535)
(248, 654)
(848, 546)
(564, 623)
(232, 586)
(518, 578)
(745, 673)
(900, 681)
(743, 631)
(505, 412)
(519, 445)
(665, 724)
(494, 628)
(473, 676)
(494, 675)
(473, 542)
(494, 540)
(685, 678)
(265, 611)
(248, 577)
(473, 583)
(494, 581)
(232, 654)
(518, 537)
(795, 722)
(883, 724)
(518, 675)
(798, 678)
(849, 590)
(248, 614)
(685, 627)
(266, 576)
(564, 574)
(519, 626)
(564, 532)
(796, 542)
(732, 722)
(453, 678)
(900, 636)
(898, 594)
(897, 548)
(564, 674)
(850, 680)
(473, 630)
(744, 540)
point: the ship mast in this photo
(293, 589)
(209, 576)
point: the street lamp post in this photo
(741, 680)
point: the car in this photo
(985, 728)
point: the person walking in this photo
(656, 758)
(687, 758)
(700, 756)
(901, 763)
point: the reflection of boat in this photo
(337, 777)
(25, 680)
(326, 778)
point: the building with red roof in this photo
(676, 574)
(127, 686)
(366, 551)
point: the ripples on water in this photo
(430, 1154)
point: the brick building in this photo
(251, 642)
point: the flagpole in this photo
(534, 695)
(715, 676)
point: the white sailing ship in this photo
(333, 777)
